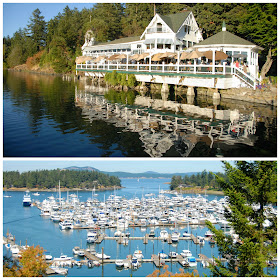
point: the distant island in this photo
(43, 180)
(129, 175)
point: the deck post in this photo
(137, 66)
(190, 91)
(178, 61)
(163, 66)
(213, 61)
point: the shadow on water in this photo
(45, 115)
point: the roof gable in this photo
(175, 21)
(224, 38)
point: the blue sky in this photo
(16, 15)
(129, 165)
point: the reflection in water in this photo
(160, 132)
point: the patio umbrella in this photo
(184, 55)
(121, 56)
(195, 54)
(168, 55)
(157, 57)
(142, 56)
(239, 55)
(218, 55)
(135, 56)
(99, 58)
(82, 59)
(113, 57)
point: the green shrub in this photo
(131, 82)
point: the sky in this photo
(126, 165)
(17, 15)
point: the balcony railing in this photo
(157, 30)
(172, 68)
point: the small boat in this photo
(175, 236)
(48, 256)
(36, 194)
(191, 261)
(152, 233)
(163, 234)
(162, 255)
(59, 270)
(64, 225)
(209, 233)
(99, 255)
(8, 246)
(117, 233)
(55, 218)
(186, 234)
(135, 263)
(119, 263)
(14, 249)
(138, 254)
(173, 255)
(26, 199)
(91, 237)
(63, 258)
(6, 195)
(78, 251)
(186, 253)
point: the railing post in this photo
(194, 66)
(163, 66)
(150, 64)
(137, 66)
(224, 68)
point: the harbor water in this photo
(47, 116)
(26, 224)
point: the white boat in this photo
(36, 194)
(175, 236)
(173, 255)
(138, 254)
(99, 255)
(162, 255)
(78, 251)
(186, 253)
(63, 258)
(26, 199)
(186, 234)
(117, 233)
(208, 233)
(135, 263)
(6, 195)
(91, 236)
(59, 270)
(163, 234)
(55, 217)
(119, 263)
(14, 249)
(64, 225)
(48, 256)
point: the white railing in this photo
(173, 68)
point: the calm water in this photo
(46, 116)
(26, 224)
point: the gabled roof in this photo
(175, 21)
(120, 41)
(224, 38)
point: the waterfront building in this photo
(173, 32)
(171, 50)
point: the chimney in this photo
(224, 26)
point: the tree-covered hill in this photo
(202, 179)
(49, 179)
(58, 42)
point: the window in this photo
(168, 46)
(187, 29)
(177, 47)
(159, 27)
(189, 44)
(148, 46)
(138, 46)
(160, 46)
(152, 46)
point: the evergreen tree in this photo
(251, 190)
(37, 29)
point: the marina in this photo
(120, 215)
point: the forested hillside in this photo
(203, 179)
(49, 178)
(56, 43)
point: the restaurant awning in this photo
(142, 56)
(99, 58)
(113, 57)
(194, 54)
(168, 55)
(157, 57)
(135, 56)
(149, 41)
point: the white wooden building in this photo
(173, 32)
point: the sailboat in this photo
(6, 195)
